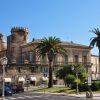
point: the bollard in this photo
(91, 94)
(87, 94)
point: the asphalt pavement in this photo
(29, 95)
(39, 96)
(96, 95)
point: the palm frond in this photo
(96, 31)
(91, 38)
(50, 46)
(93, 42)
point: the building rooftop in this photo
(73, 44)
(94, 55)
(62, 43)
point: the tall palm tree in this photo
(50, 47)
(96, 41)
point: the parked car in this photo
(16, 88)
(7, 90)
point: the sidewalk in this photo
(96, 96)
(32, 88)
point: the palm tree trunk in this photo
(50, 83)
(99, 63)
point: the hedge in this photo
(84, 87)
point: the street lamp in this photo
(4, 63)
(89, 81)
(77, 72)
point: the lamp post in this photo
(4, 63)
(89, 80)
(76, 72)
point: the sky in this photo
(69, 20)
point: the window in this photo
(60, 59)
(96, 69)
(84, 59)
(13, 54)
(6, 69)
(30, 56)
(66, 59)
(75, 58)
(23, 57)
(44, 69)
(33, 69)
(43, 60)
(19, 69)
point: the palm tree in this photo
(96, 41)
(50, 47)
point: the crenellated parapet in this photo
(17, 29)
(19, 34)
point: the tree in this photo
(50, 47)
(65, 70)
(81, 71)
(69, 79)
(96, 41)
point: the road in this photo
(35, 96)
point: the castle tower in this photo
(17, 38)
(2, 43)
(19, 35)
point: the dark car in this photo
(7, 90)
(16, 88)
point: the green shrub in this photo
(97, 82)
(95, 86)
(69, 79)
(83, 87)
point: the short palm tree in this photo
(50, 46)
(96, 41)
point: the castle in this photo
(22, 58)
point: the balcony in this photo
(62, 63)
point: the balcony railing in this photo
(61, 63)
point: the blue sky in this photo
(70, 20)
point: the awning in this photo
(33, 78)
(45, 78)
(7, 79)
(21, 79)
